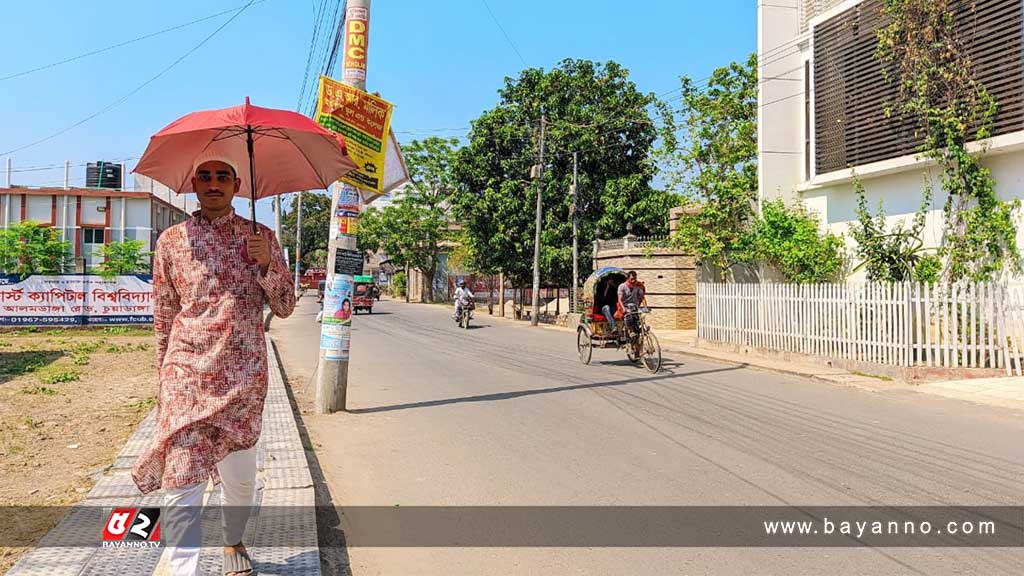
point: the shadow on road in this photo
(373, 314)
(534, 392)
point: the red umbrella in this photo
(294, 152)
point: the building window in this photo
(850, 125)
(93, 235)
(807, 120)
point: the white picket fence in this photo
(967, 325)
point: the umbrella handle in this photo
(252, 178)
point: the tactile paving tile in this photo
(123, 561)
(285, 459)
(115, 485)
(285, 478)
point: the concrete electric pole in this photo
(539, 175)
(298, 242)
(575, 231)
(332, 378)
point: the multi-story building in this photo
(821, 114)
(92, 217)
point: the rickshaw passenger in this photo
(609, 297)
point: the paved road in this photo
(505, 414)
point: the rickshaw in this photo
(362, 294)
(632, 332)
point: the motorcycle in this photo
(465, 315)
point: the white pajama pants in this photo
(181, 513)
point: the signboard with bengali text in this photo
(75, 300)
(365, 122)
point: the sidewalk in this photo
(282, 480)
(1003, 392)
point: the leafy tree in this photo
(316, 223)
(591, 108)
(415, 230)
(713, 162)
(788, 239)
(31, 248)
(124, 258)
(410, 233)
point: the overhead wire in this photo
(119, 44)
(135, 90)
(504, 33)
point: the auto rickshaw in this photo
(632, 331)
(362, 294)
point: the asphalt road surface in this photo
(506, 415)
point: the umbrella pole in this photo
(252, 178)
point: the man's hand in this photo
(258, 249)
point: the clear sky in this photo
(440, 62)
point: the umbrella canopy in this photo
(291, 151)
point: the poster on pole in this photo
(349, 262)
(365, 122)
(336, 325)
(357, 38)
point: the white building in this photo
(820, 115)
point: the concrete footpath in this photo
(1005, 392)
(283, 481)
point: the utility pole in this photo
(277, 217)
(539, 172)
(575, 230)
(298, 242)
(332, 378)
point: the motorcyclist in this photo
(464, 298)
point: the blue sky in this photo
(440, 63)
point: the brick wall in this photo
(671, 280)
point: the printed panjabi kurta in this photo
(211, 352)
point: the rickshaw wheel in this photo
(652, 353)
(584, 345)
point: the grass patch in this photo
(875, 376)
(39, 390)
(123, 348)
(20, 363)
(146, 404)
(81, 360)
(31, 423)
(59, 377)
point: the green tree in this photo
(788, 239)
(411, 233)
(125, 257)
(415, 230)
(592, 109)
(712, 162)
(316, 223)
(31, 248)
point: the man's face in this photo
(631, 280)
(215, 185)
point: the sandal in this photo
(238, 562)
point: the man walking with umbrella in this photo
(212, 275)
